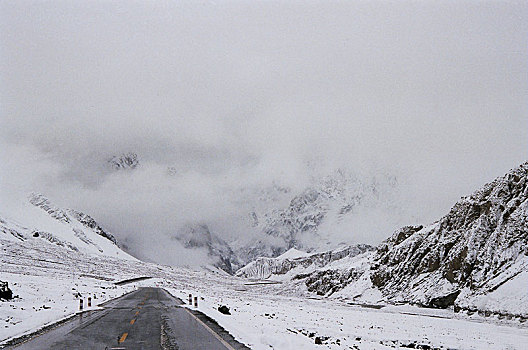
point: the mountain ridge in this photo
(68, 228)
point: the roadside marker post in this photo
(190, 299)
(80, 304)
(195, 301)
(89, 301)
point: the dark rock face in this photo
(471, 247)
(327, 282)
(42, 202)
(5, 292)
(89, 222)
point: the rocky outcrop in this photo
(5, 292)
(42, 202)
(89, 222)
(327, 282)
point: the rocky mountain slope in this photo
(40, 220)
(470, 258)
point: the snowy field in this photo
(48, 280)
(266, 321)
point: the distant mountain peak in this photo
(124, 161)
(309, 219)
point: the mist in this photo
(234, 96)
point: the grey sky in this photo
(239, 93)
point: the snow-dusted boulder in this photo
(5, 292)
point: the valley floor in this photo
(48, 283)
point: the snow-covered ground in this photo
(279, 322)
(48, 278)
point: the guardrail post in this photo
(80, 304)
(195, 301)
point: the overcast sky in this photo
(237, 94)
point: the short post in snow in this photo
(80, 304)
(190, 299)
(89, 301)
(195, 301)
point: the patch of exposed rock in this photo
(124, 161)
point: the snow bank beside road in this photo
(42, 300)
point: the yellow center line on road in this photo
(133, 320)
(123, 337)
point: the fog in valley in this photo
(237, 107)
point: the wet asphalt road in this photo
(146, 319)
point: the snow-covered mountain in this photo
(334, 209)
(323, 216)
(294, 263)
(40, 220)
(475, 258)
